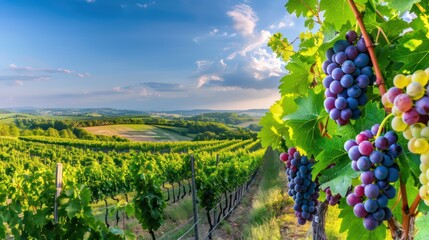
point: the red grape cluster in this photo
(332, 200)
(375, 157)
(349, 74)
(302, 189)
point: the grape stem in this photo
(382, 125)
(370, 47)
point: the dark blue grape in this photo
(340, 103)
(331, 67)
(364, 163)
(381, 172)
(356, 113)
(340, 57)
(367, 71)
(348, 67)
(337, 74)
(393, 175)
(362, 99)
(382, 201)
(353, 91)
(329, 53)
(362, 81)
(362, 60)
(352, 103)
(327, 81)
(340, 46)
(361, 46)
(371, 205)
(346, 81)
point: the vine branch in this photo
(370, 47)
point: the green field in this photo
(137, 132)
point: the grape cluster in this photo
(375, 158)
(349, 71)
(332, 200)
(409, 100)
(302, 189)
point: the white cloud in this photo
(28, 70)
(287, 21)
(265, 65)
(222, 63)
(214, 33)
(201, 64)
(204, 79)
(244, 19)
(261, 39)
(145, 5)
(90, 1)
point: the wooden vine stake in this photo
(408, 213)
(58, 186)
(194, 198)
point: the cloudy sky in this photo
(137, 54)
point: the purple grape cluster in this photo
(302, 189)
(332, 200)
(349, 71)
(375, 159)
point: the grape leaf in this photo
(338, 178)
(338, 12)
(281, 46)
(273, 128)
(303, 122)
(298, 79)
(413, 51)
(401, 5)
(301, 7)
(354, 225)
(422, 224)
(372, 114)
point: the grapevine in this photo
(397, 45)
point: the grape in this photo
(329, 53)
(351, 52)
(327, 81)
(398, 125)
(346, 81)
(303, 191)
(283, 157)
(348, 67)
(403, 102)
(335, 87)
(384, 100)
(351, 36)
(361, 46)
(366, 148)
(415, 90)
(393, 175)
(337, 74)
(352, 103)
(349, 144)
(362, 81)
(381, 172)
(329, 103)
(340, 57)
(376, 157)
(354, 91)
(340, 46)
(371, 205)
(341, 103)
(361, 60)
(422, 105)
(332, 200)
(359, 210)
(335, 114)
(392, 93)
(400, 81)
(410, 117)
(421, 77)
(331, 67)
(352, 199)
(364, 163)
(349, 75)
(378, 171)
(367, 71)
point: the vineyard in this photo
(149, 176)
(352, 121)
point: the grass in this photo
(270, 207)
(137, 132)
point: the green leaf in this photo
(72, 208)
(354, 225)
(422, 225)
(303, 122)
(401, 5)
(299, 78)
(338, 178)
(338, 12)
(301, 8)
(413, 51)
(281, 46)
(372, 114)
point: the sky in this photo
(141, 55)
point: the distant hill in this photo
(99, 112)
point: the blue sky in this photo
(144, 55)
